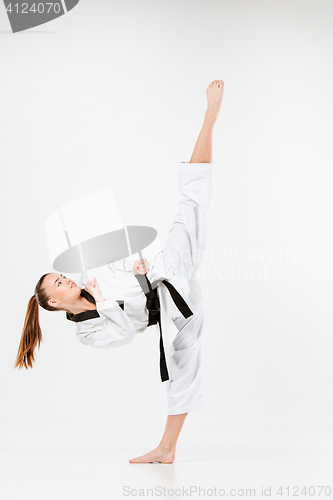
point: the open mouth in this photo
(73, 284)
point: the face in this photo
(62, 291)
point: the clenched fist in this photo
(92, 287)
(141, 266)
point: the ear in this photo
(53, 303)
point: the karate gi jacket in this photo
(124, 313)
(111, 326)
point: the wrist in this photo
(100, 299)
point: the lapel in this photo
(85, 315)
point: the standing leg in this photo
(165, 452)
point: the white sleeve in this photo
(125, 265)
(128, 265)
(112, 329)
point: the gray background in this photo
(113, 95)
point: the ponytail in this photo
(31, 336)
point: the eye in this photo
(59, 280)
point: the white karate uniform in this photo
(177, 263)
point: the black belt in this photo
(153, 306)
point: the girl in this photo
(102, 321)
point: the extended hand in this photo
(141, 266)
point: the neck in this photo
(81, 305)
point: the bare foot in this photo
(214, 98)
(157, 455)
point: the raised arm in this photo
(113, 328)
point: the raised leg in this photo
(184, 248)
(165, 451)
(203, 149)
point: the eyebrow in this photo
(56, 280)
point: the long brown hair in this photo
(32, 334)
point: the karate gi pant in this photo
(182, 255)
